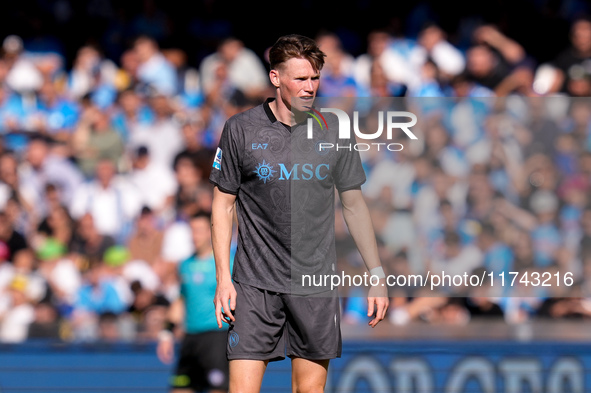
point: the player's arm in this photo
(222, 216)
(175, 315)
(358, 221)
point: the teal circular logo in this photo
(264, 171)
(233, 339)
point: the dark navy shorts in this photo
(202, 364)
(271, 325)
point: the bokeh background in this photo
(110, 112)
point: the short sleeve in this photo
(349, 173)
(226, 166)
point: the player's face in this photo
(298, 83)
(201, 230)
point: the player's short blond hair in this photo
(296, 46)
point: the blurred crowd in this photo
(102, 162)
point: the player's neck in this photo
(281, 111)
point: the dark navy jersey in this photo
(284, 184)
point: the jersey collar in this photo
(268, 110)
(270, 113)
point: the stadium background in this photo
(82, 102)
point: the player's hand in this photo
(225, 294)
(377, 302)
(165, 349)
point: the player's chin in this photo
(303, 104)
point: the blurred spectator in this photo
(464, 85)
(46, 324)
(14, 322)
(130, 112)
(190, 196)
(7, 269)
(57, 225)
(12, 112)
(112, 201)
(245, 70)
(115, 261)
(431, 82)
(23, 77)
(42, 167)
(93, 75)
(377, 42)
(122, 266)
(98, 293)
(402, 60)
(497, 256)
(124, 270)
(545, 235)
(143, 302)
(14, 240)
(427, 201)
(54, 114)
(448, 59)
(563, 307)
(162, 136)
(193, 137)
(155, 183)
(11, 186)
(61, 273)
(480, 307)
(154, 70)
(146, 241)
(190, 94)
(498, 62)
(95, 140)
(88, 244)
(381, 86)
(574, 63)
(23, 266)
(456, 257)
(337, 74)
(127, 77)
(176, 244)
(108, 327)
(524, 252)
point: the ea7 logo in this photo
(391, 124)
(259, 146)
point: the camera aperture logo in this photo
(390, 118)
(315, 114)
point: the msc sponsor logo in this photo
(304, 172)
(266, 171)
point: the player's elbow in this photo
(222, 207)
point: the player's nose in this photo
(309, 86)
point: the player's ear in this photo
(274, 77)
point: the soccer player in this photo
(202, 363)
(282, 189)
